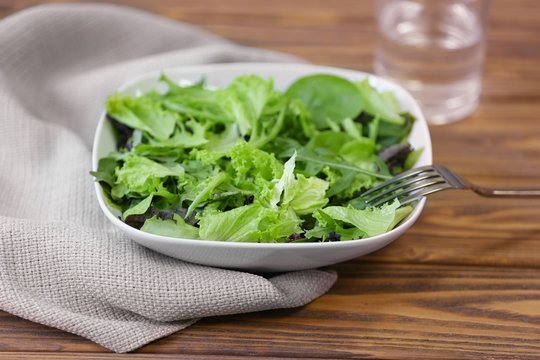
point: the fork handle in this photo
(506, 192)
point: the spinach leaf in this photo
(249, 163)
(327, 98)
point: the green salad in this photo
(249, 163)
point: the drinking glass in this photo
(435, 49)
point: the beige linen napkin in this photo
(61, 263)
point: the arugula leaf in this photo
(309, 156)
(329, 140)
(193, 102)
(392, 133)
(250, 163)
(105, 171)
(412, 158)
(139, 208)
(268, 130)
(204, 190)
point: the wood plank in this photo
(461, 228)
(97, 356)
(393, 310)
(374, 310)
(499, 140)
(464, 282)
(341, 33)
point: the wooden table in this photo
(464, 282)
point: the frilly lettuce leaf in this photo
(250, 223)
(144, 176)
(303, 195)
(284, 184)
(277, 226)
(250, 163)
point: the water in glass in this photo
(435, 49)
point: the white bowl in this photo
(264, 257)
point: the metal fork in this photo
(413, 184)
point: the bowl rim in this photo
(252, 67)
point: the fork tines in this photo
(407, 186)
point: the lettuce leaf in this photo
(305, 195)
(383, 105)
(142, 113)
(250, 223)
(173, 228)
(254, 92)
(139, 208)
(204, 190)
(284, 183)
(328, 229)
(371, 221)
(250, 163)
(238, 224)
(143, 176)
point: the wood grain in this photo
(65, 356)
(395, 309)
(464, 282)
(375, 310)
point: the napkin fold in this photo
(62, 263)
